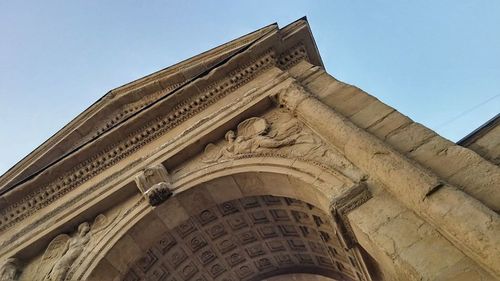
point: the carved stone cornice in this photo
(116, 152)
(293, 56)
(344, 204)
(117, 103)
(182, 111)
(122, 176)
(131, 108)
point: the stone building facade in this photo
(249, 162)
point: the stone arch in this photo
(310, 183)
(244, 239)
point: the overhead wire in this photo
(463, 113)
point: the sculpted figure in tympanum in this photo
(252, 136)
(62, 252)
(65, 250)
(280, 134)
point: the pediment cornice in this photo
(273, 48)
(119, 104)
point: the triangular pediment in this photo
(120, 104)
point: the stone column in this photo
(470, 225)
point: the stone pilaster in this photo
(443, 205)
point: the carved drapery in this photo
(275, 135)
(63, 253)
(278, 134)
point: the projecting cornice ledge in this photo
(123, 102)
(110, 151)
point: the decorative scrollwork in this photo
(62, 252)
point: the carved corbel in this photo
(345, 203)
(154, 183)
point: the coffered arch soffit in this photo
(211, 191)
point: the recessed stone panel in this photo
(244, 239)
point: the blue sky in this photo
(436, 61)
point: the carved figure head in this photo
(230, 136)
(83, 228)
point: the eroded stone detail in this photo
(279, 134)
(10, 270)
(97, 163)
(248, 239)
(210, 244)
(291, 97)
(103, 229)
(151, 176)
(129, 109)
(154, 183)
(64, 250)
(345, 203)
(237, 103)
(252, 136)
(159, 193)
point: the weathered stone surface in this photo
(408, 182)
(408, 245)
(389, 124)
(105, 271)
(462, 167)
(240, 239)
(371, 114)
(122, 255)
(410, 137)
(271, 166)
(298, 277)
(423, 145)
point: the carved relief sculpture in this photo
(279, 133)
(102, 224)
(252, 136)
(280, 125)
(62, 252)
(9, 270)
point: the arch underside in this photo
(248, 239)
